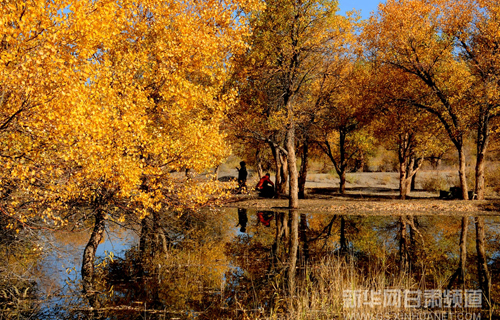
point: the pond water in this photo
(250, 264)
(58, 272)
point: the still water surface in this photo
(235, 263)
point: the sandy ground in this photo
(369, 193)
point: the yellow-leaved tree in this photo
(290, 45)
(342, 131)
(474, 25)
(103, 101)
(414, 133)
(450, 48)
(406, 35)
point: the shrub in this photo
(384, 161)
(434, 183)
(492, 179)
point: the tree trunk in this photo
(461, 171)
(303, 170)
(343, 160)
(403, 157)
(260, 172)
(483, 135)
(342, 181)
(284, 174)
(412, 166)
(216, 173)
(479, 187)
(145, 245)
(408, 185)
(160, 241)
(144, 238)
(88, 259)
(483, 274)
(409, 164)
(277, 161)
(482, 146)
(413, 182)
(340, 166)
(402, 179)
(281, 170)
(292, 168)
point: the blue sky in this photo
(366, 6)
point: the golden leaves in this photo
(107, 97)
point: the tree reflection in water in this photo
(20, 253)
(202, 265)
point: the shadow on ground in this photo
(365, 192)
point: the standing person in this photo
(266, 186)
(242, 177)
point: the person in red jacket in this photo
(265, 186)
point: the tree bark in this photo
(483, 274)
(342, 182)
(343, 160)
(409, 164)
(411, 170)
(88, 259)
(281, 170)
(461, 171)
(144, 245)
(277, 162)
(284, 173)
(341, 165)
(479, 187)
(216, 173)
(483, 134)
(402, 179)
(413, 182)
(160, 240)
(293, 202)
(260, 172)
(403, 157)
(303, 169)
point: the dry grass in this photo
(327, 288)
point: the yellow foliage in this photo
(100, 100)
